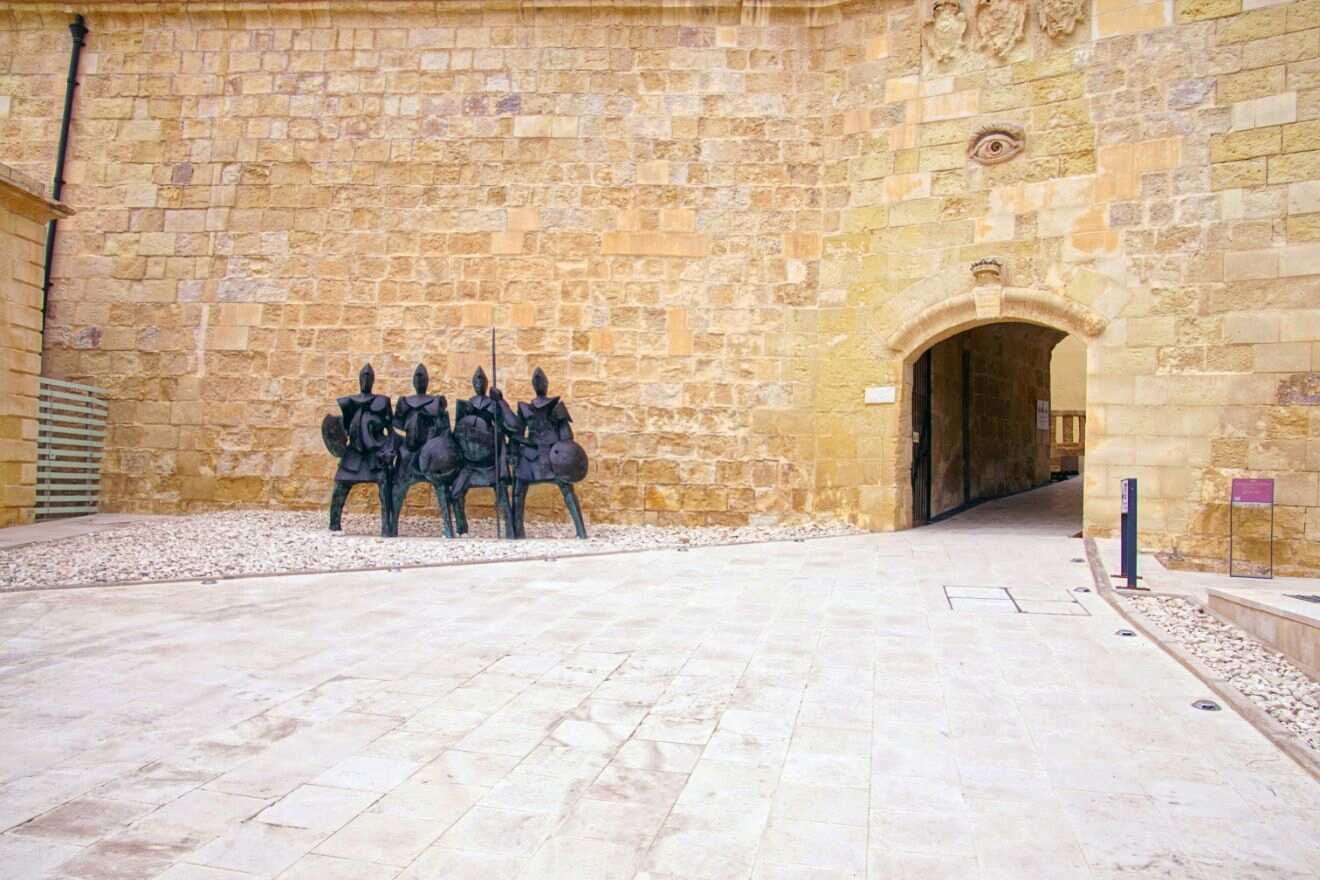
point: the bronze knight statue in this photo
(426, 453)
(491, 445)
(480, 422)
(362, 439)
(547, 454)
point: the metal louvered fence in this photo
(70, 444)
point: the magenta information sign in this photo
(1253, 491)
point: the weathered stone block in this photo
(1249, 84)
(1245, 144)
(1302, 136)
(1302, 228)
(545, 127)
(1133, 19)
(1251, 327)
(1200, 10)
(1254, 25)
(1057, 88)
(1301, 259)
(1234, 175)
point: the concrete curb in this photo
(1272, 730)
(450, 563)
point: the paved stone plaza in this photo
(811, 710)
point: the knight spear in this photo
(499, 430)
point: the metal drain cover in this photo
(1206, 705)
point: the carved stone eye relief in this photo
(994, 145)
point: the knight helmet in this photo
(421, 379)
(540, 382)
(366, 378)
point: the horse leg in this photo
(337, 499)
(519, 508)
(574, 509)
(389, 522)
(458, 495)
(442, 499)
(504, 509)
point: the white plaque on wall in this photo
(881, 394)
(1042, 415)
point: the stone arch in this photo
(990, 305)
(949, 303)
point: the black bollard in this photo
(1128, 532)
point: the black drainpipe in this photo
(78, 30)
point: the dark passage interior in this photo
(981, 426)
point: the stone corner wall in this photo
(24, 211)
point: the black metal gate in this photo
(921, 440)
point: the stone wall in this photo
(272, 198)
(1068, 374)
(714, 227)
(1009, 370)
(1159, 211)
(24, 211)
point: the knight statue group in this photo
(491, 445)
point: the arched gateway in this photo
(976, 377)
(979, 353)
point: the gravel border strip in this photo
(453, 563)
(1272, 730)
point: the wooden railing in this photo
(70, 442)
(1067, 439)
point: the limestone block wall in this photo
(714, 226)
(270, 197)
(24, 210)
(1159, 211)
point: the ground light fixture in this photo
(1206, 705)
(1081, 589)
(1125, 633)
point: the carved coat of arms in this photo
(1059, 18)
(999, 24)
(944, 31)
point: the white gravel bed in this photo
(1266, 677)
(267, 542)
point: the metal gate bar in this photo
(70, 446)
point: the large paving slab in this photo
(799, 710)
